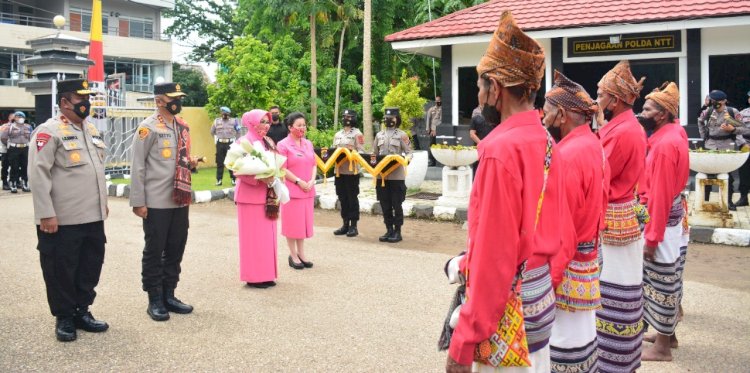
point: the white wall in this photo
(721, 41)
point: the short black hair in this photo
(291, 118)
(670, 116)
(274, 107)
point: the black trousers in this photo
(745, 178)
(71, 262)
(221, 153)
(391, 196)
(18, 159)
(165, 232)
(5, 168)
(347, 189)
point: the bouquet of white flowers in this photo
(246, 158)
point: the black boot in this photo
(6, 186)
(25, 186)
(156, 308)
(65, 329)
(396, 236)
(343, 230)
(352, 232)
(389, 233)
(743, 201)
(13, 188)
(175, 305)
(86, 321)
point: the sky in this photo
(181, 51)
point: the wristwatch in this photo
(296, 182)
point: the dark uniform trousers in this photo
(391, 196)
(221, 153)
(18, 159)
(166, 232)
(5, 168)
(347, 189)
(71, 262)
(744, 173)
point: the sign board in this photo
(649, 42)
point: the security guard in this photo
(5, 166)
(160, 194)
(16, 138)
(70, 204)
(392, 140)
(224, 130)
(721, 128)
(433, 119)
(347, 181)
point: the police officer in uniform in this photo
(433, 119)
(347, 181)
(70, 204)
(224, 130)
(721, 128)
(5, 166)
(160, 194)
(392, 140)
(16, 139)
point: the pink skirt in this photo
(257, 243)
(297, 218)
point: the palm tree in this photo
(345, 13)
(367, 76)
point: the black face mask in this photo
(439, 103)
(390, 122)
(648, 123)
(350, 122)
(275, 117)
(555, 132)
(489, 112)
(174, 106)
(225, 116)
(608, 114)
(82, 109)
(716, 105)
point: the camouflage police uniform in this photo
(347, 179)
(392, 140)
(66, 170)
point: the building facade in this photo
(701, 45)
(134, 46)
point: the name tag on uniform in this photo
(68, 138)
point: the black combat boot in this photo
(343, 230)
(389, 233)
(65, 329)
(25, 186)
(175, 305)
(352, 232)
(156, 308)
(743, 201)
(6, 186)
(86, 321)
(13, 188)
(396, 236)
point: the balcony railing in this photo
(46, 22)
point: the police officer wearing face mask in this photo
(278, 130)
(347, 179)
(66, 162)
(392, 140)
(16, 138)
(225, 131)
(5, 165)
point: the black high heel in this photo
(295, 265)
(306, 264)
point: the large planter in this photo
(716, 163)
(455, 158)
(417, 169)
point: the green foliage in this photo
(321, 137)
(405, 96)
(215, 22)
(193, 82)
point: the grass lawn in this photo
(203, 180)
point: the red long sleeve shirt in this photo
(624, 143)
(502, 217)
(586, 185)
(667, 171)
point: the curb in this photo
(698, 234)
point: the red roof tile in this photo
(558, 14)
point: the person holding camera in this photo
(721, 128)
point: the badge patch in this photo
(75, 157)
(166, 153)
(166, 142)
(41, 140)
(143, 133)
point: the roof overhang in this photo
(432, 47)
(166, 4)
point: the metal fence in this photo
(121, 126)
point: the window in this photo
(138, 74)
(136, 27)
(80, 20)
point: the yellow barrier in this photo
(381, 169)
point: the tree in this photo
(367, 75)
(405, 96)
(193, 81)
(216, 22)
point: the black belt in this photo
(747, 137)
(225, 141)
(723, 137)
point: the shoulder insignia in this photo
(41, 140)
(143, 132)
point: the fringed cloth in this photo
(622, 224)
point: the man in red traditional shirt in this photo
(575, 269)
(504, 206)
(619, 321)
(667, 170)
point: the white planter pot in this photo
(455, 158)
(716, 163)
(417, 169)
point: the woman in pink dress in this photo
(257, 232)
(297, 214)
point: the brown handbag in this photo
(272, 204)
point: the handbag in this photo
(272, 204)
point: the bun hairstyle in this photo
(291, 118)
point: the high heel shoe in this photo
(306, 264)
(295, 265)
